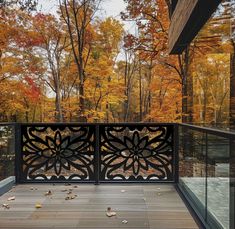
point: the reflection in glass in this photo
(192, 166)
(7, 153)
(211, 68)
(218, 180)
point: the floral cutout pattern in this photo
(137, 153)
(58, 153)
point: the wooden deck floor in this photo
(142, 206)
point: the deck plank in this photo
(143, 206)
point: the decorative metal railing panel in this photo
(136, 153)
(57, 152)
(96, 152)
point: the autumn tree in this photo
(103, 87)
(17, 60)
(212, 53)
(77, 16)
(53, 45)
(28, 5)
(129, 71)
(152, 20)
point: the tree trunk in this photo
(127, 81)
(140, 93)
(77, 28)
(190, 98)
(81, 117)
(184, 100)
(107, 112)
(204, 106)
(232, 87)
(187, 89)
(59, 116)
(149, 90)
(127, 105)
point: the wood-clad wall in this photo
(188, 18)
(179, 19)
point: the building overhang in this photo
(187, 19)
(173, 5)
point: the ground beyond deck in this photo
(142, 206)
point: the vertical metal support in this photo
(232, 183)
(206, 213)
(176, 153)
(97, 155)
(18, 152)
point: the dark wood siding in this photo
(188, 18)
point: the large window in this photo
(206, 158)
(211, 68)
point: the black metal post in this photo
(176, 153)
(232, 183)
(206, 182)
(17, 127)
(97, 155)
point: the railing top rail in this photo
(87, 123)
(209, 130)
(7, 123)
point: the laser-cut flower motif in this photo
(58, 153)
(136, 149)
(135, 154)
(47, 152)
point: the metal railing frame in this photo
(97, 155)
(221, 133)
(230, 136)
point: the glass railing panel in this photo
(232, 182)
(218, 180)
(192, 166)
(7, 151)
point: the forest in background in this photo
(66, 67)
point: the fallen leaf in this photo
(75, 186)
(110, 213)
(38, 205)
(67, 184)
(70, 197)
(6, 206)
(64, 190)
(73, 197)
(32, 188)
(124, 221)
(11, 198)
(48, 193)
